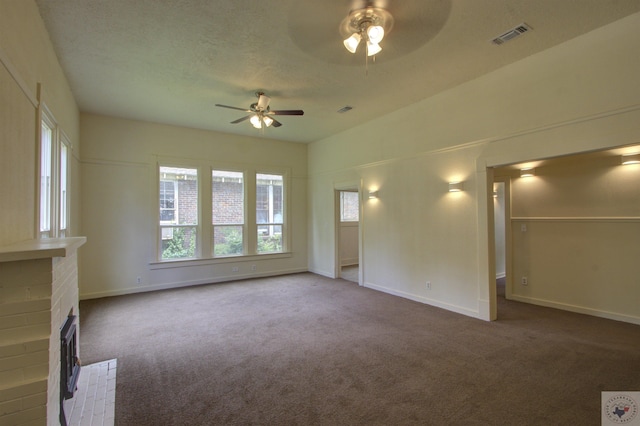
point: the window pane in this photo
(269, 239)
(63, 187)
(178, 196)
(227, 241)
(227, 197)
(348, 206)
(45, 177)
(269, 198)
(167, 201)
(262, 204)
(178, 242)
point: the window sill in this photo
(183, 263)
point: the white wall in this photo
(578, 96)
(120, 205)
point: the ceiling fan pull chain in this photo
(366, 63)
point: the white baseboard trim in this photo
(349, 262)
(180, 284)
(425, 300)
(500, 275)
(577, 309)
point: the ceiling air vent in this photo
(345, 109)
(511, 34)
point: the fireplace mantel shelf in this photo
(41, 249)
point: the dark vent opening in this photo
(345, 109)
(511, 34)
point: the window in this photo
(269, 212)
(227, 212)
(349, 206)
(178, 201)
(54, 179)
(46, 176)
(63, 188)
(168, 201)
(207, 212)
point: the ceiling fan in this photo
(261, 114)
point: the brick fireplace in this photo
(38, 292)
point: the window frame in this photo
(271, 223)
(53, 203)
(204, 253)
(243, 225)
(175, 209)
(63, 185)
(172, 225)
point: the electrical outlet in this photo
(253, 267)
(525, 281)
(139, 280)
(235, 269)
(428, 285)
(523, 227)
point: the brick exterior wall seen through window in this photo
(228, 202)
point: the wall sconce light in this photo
(631, 159)
(455, 186)
(527, 172)
(373, 195)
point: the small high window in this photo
(349, 206)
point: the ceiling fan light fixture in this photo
(369, 24)
(375, 34)
(256, 122)
(263, 101)
(373, 48)
(352, 42)
(267, 120)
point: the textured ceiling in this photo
(170, 61)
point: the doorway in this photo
(348, 234)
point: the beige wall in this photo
(120, 203)
(26, 59)
(575, 228)
(349, 243)
(578, 96)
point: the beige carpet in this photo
(307, 350)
